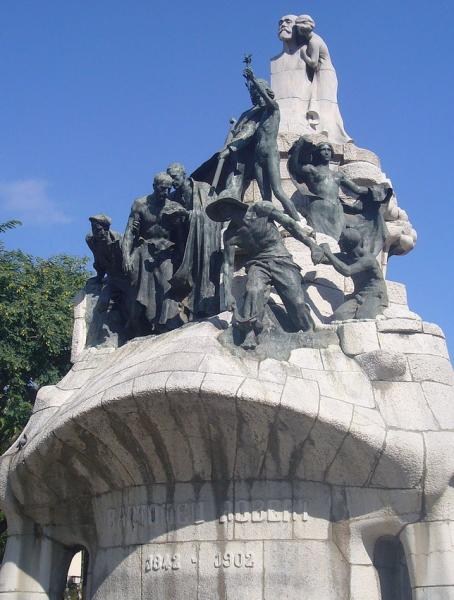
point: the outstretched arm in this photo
(266, 209)
(353, 187)
(361, 264)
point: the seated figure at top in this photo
(324, 210)
(305, 81)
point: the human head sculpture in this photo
(304, 25)
(287, 28)
(162, 184)
(100, 226)
(350, 240)
(177, 172)
(324, 153)
(256, 98)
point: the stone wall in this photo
(189, 473)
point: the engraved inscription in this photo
(143, 515)
(260, 511)
(234, 559)
(195, 513)
(162, 562)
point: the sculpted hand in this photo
(317, 254)
(127, 264)
(224, 153)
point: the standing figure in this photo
(252, 152)
(149, 255)
(199, 271)
(252, 229)
(325, 212)
(369, 297)
(105, 245)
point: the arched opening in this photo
(391, 565)
(76, 582)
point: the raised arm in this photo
(227, 270)
(262, 90)
(299, 161)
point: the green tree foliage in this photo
(35, 330)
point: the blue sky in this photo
(99, 95)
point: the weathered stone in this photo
(358, 338)
(381, 365)
(404, 406)
(335, 360)
(416, 343)
(433, 329)
(403, 462)
(399, 326)
(352, 387)
(318, 567)
(400, 311)
(430, 368)
(307, 358)
(397, 293)
(440, 399)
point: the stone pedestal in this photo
(189, 473)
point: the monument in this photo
(254, 417)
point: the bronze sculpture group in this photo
(172, 263)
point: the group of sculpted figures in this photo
(181, 240)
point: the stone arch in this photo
(391, 565)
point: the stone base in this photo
(187, 472)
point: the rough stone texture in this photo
(399, 326)
(430, 368)
(190, 473)
(397, 293)
(358, 337)
(403, 405)
(381, 365)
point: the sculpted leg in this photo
(263, 181)
(278, 191)
(289, 287)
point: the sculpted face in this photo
(99, 230)
(325, 152)
(286, 27)
(162, 185)
(178, 175)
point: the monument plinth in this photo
(259, 418)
